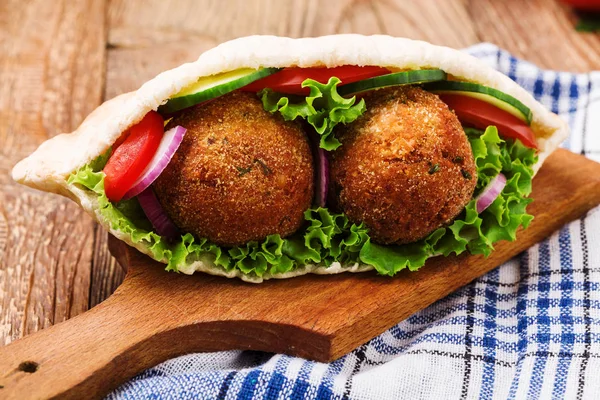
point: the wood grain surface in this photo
(60, 59)
(152, 316)
(51, 77)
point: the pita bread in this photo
(49, 166)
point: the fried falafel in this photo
(405, 167)
(240, 174)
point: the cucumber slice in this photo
(395, 79)
(213, 86)
(485, 93)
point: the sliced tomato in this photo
(289, 80)
(586, 5)
(130, 158)
(479, 114)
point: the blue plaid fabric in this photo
(529, 329)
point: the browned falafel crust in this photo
(405, 167)
(240, 173)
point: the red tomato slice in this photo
(289, 80)
(479, 114)
(130, 158)
(586, 5)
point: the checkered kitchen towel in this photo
(529, 329)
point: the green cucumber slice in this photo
(394, 79)
(213, 86)
(485, 93)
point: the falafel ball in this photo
(405, 167)
(240, 174)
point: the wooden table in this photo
(61, 59)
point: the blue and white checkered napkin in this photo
(529, 329)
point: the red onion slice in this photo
(160, 220)
(490, 192)
(168, 145)
(322, 183)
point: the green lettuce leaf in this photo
(323, 108)
(328, 237)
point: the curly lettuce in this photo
(328, 237)
(323, 108)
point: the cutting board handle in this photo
(151, 317)
(95, 350)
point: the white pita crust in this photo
(50, 165)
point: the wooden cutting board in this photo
(155, 315)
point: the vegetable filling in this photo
(328, 237)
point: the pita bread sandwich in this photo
(272, 157)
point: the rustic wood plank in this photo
(50, 78)
(540, 31)
(144, 44)
(138, 23)
(444, 23)
(156, 315)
